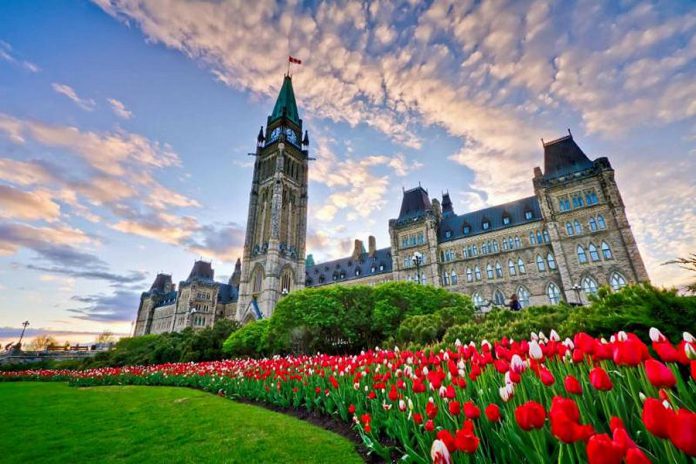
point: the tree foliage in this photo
(250, 340)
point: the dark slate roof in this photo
(415, 204)
(202, 270)
(447, 208)
(285, 104)
(227, 293)
(515, 210)
(563, 156)
(323, 273)
(161, 281)
(167, 299)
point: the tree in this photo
(106, 337)
(42, 342)
(688, 263)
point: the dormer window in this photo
(381, 267)
(528, 214)
(357, 272)
(486, 224)
(506, 220)
(467, 229)
(448, 233)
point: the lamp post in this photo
(417, 259)
(576, 288)
(24, 327)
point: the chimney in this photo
(537, 171)
(372, 246)
(357, 250)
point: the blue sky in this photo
(125, 127)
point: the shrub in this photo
(250, 340)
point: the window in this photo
(484, 248)
(506, 220)
(523, 297)
(357, 272)
(499, 298)
(578, 227)
(532, 238)
(498, 270)
(489, 271)
(552, 262)
(477, 299)
(467, 229)
(453, 278)
(469, 275)
(547, 239)
(589, 285)
(477, 273)
(563, 203)
(420, 238)
(520, 266)
(582, 257)
(445, 278)
(591, 197)
(528, 214)
(518, 242)
(485, 225)
(617, 281)
(600, 222)
(606, 251)
(594, 255)
(505, 244)
(593, 225)
(577, 200)
(540, 240)
(258, 277)
(495, 246)
(511, 268)
(474, 250)
(569, 229)
(448, 233)
(554, 293)
(541, 265)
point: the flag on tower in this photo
(292, 59)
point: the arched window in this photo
(520, 266)
(552, 262)
(498, 298)
(617, 281)
(453, 277)
(518, 242)
(606, 251)
(477, 273)
(593, 224)
(541, 266)
(257, 279)
(511, 267)
(505, 244)
(600, 222)
(554, 293)
(589, 285)
(523, 296)
(540, 240)
(498, 270)
(532, 238)
(286, 281)
(569, 229)
(547, 239)
(474, 250)
(578, 227)
(495, 246)
(477, 299)
(582, 256)
(594, 255)
(469, 275)
(445, 278)
(489, 271)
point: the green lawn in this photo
(51, 422)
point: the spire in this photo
(285, 104)
(236, 275)
(260, 139)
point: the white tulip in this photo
(439, 452)
(622, 336)
(655, 335)
(554, 336)
(535, 351)
(690, 351)
(688, 337)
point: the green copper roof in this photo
(286, 101)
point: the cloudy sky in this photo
(125, 127)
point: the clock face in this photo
(291, 136)
(275, 134)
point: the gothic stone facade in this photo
(571, 237)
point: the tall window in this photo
(552, 262)
(505, 244)
(511, 267)
(495, 246)
(486, 224)
(541, 266)
(547, 239)
(528, 214)
(578, 227)
(498, 270)
(499, 298)
(523, 296)
(593, 224)
(617, 281)
(589, 285)
(520, 266)
(591, 197)
(477, 299)
(453, 277)
(477, 273)
(489, 271)
(286, 281)
(518, 242)
(582, 256)
(257, 279)
(569, 229)
(577, 200)
(532, 238)
(606, 251)
(594, 255)
(563, 203)
(554, 293)
(506, 220)
(600, 222)
(445, 278)
(469, 275)
(540, 240)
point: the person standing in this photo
(514, 303)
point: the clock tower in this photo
(274, 247)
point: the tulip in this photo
(682, 431)
(656, 336)
(600, 379)
(493, 412)
(636, 456)
(535, 351)
(429, 425)
(565, 421)
(506, 392)
(351, 409)
(602, 450)
(546, 377)
(656, 417)
(439, 453)
(471, 411)
(572, 385)
(417, 418)
(466, 441)
(431, 409)
(659, 375)
(454, 408)
(446, 437)
(530, 415)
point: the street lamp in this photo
(576, 288)
(417, 260)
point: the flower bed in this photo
(543, 400)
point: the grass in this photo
(52, 422)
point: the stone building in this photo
(560, 244)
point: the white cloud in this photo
(119, 109)
(63, 89)
(7, 54)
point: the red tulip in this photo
(334, 382)
(417, 418)
(454, 408)
(449, 392)
(636, 456)
(656, 417)
(602, 450)
(546, 376)
(572, 385)
(393, 393)
(429, 425)
(471, 410)
(530, 415)
(565, 421)
(659, 375)
(493, 412)
(629, 352)
(600, 379)
(431, 410)
(693, 370)
(682, 431)
(466, 441)
(351, 409)
(446, 437)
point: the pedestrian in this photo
(514, 303)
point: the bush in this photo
(430, 328)
(250, 340)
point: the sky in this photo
(125, 128)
